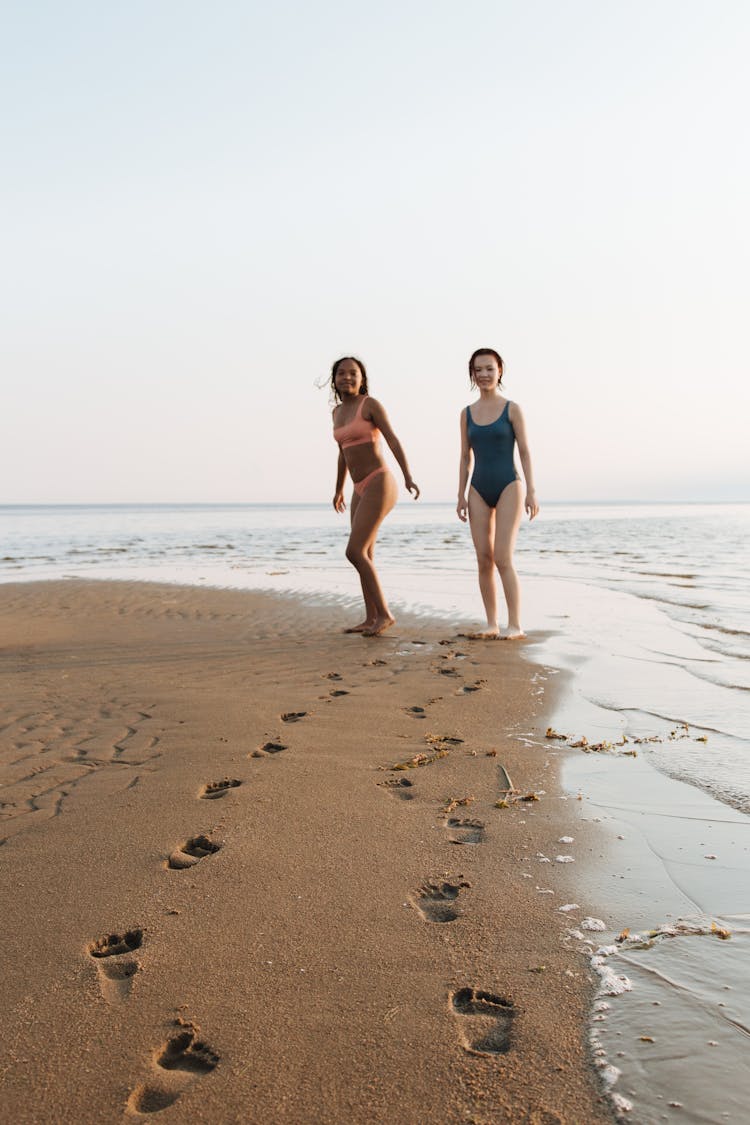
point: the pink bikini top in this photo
(358, 431)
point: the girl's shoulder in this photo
(371, 406)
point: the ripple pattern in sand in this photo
(46, 753)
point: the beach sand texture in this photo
(220, 904)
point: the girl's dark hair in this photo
(486, 351)
(363, 389)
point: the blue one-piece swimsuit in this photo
(493, 446)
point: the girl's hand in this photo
(411, 487)
(462, 510)
(532, 506)
(339, 504)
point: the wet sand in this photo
(222, 904)
(673, 876)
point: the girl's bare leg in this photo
(482, 524)
(507, 521)
(370, 610)
(373, 507)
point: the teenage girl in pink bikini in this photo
(358, 421)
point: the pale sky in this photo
(203, 205)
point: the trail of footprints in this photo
(183, 1057)
(484, 1020)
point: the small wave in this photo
(724, 629)
(670, 601)
(663, 574)
(680, 660)
(689, 665)
(670, 720)
(723, 648)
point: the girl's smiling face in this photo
(486, 372)
(348, 378)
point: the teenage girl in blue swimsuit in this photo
(490, 430)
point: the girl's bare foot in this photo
(491, 633)
(512, 633)
(379, 626)
(361, 628)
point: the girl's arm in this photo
(464, 468)
(339, 503)
(378, 416)
(519, 428)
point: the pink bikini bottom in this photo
(360, 486)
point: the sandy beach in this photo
(221, 904)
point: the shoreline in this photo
(353, 949)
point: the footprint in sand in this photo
(336, 692)
(462, 831)
(415, 712)
(176, 1065)
(272, 747)
(331, 676)
(115, 966)
(399, 787)
(484, 1021)
(293, 716)
(191, 852)
(212, 790)
(434, 901)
